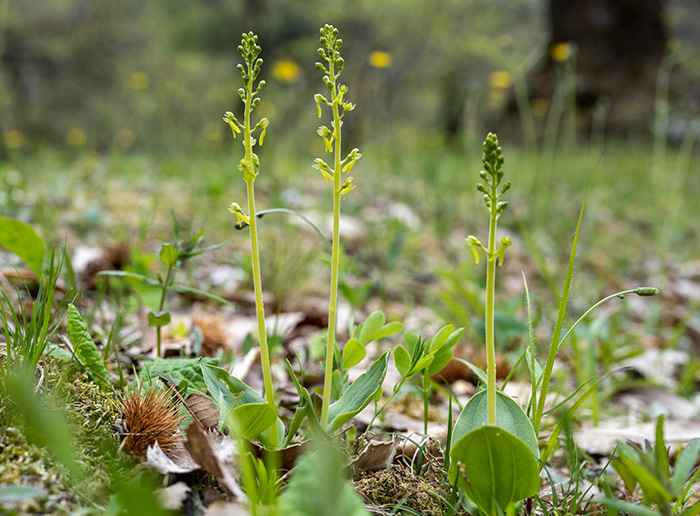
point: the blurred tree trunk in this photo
(617, 48)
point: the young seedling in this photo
(330, 52)
(172, 255)
(250, 166)
(492, 175)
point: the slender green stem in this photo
(489, 316)
(257, 280)
(335, 258)
(163, 294)
(426, 404)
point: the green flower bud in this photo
(646, 291)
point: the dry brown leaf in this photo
(178, 463)
(376, 455)
(204, 410)
(215, 453)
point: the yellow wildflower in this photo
(561, 51)
(501, 79)
(286, 71)
(379, 59)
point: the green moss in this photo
(90, 415)
(398, 486)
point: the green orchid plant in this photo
(250, 166)
(330, 52)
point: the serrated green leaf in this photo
(359, 394)
(21, 239)
(178, 369)
(85, 349)
(353, 353)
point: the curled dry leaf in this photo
(215, 453)
(375, 455)
(204, 410)
(180, 463)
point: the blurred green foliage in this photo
(153, 76)
(98, 74)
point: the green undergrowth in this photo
(89, 415)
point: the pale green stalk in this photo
(249, 165)
(332, 141)
(489, 317)
(254, 249)
(335, 263)
(492, 176)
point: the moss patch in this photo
(89, 413)
(398, 486)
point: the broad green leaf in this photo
(628, 507)
(168, 255)
(500, 469)
(411, 340)
(509, 415)
(359, 394)
(178, 369)
(402, 360)
(440, 360)
(85, 349)
(370, 327)
(353, 353)
(229, 392)
(440, 337)
(252, 419)
(21, 239)
(684, 466)
(158, 319)
(388, 329)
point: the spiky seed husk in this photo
(147, 419)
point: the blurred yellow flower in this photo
(539, 107)
(76, 137)
(13, 139)
(286, 71)
(139, 81)
(125, 139)
(379, 59)
(501, 79)
(561, 51)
